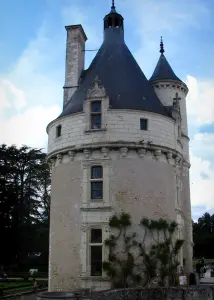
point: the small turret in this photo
(169, 87)
(163, 70)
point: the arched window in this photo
(110, 22)
(116, 23)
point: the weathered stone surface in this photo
(192, 293)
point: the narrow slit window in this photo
(96, 183)
(58, 131)
(144, 124)
(96, 115)
(96, 249)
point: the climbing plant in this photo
(164, 250)
(121, 265)
(139, 260)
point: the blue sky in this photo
(32, 61)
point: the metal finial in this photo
(113, 6)
(162, 46)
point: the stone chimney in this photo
(75, 59)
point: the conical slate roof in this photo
(163, 70)
(119, 73)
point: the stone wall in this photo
(119, 126)
(132, 183)
(166, 91)
(192, 293)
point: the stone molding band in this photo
(171, 156)
(170, 84)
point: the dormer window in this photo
(58, 130)
(96, 115)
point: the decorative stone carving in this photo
(53, 162)
(71, 155)
(157, 154)
(177, 167)
(97, 91)
(169, 157)
(177, 160)
(106, 162)
(86, 153)
(59, 158)
(84, 228)
(124, 151)
(104, 151)
(85, 165)
(142, 152)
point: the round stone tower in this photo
(120, 144)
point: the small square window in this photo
(58, 131)
(143, 124)
(96, 236)
(96, 107)
(96, 172)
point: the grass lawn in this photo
(207, 261)
(5, 284)
(18, 290)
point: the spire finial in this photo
(113, 6)
(162, 46)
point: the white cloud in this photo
(9, 90)
(31, 93)
(200, 108)
(28, 127)
(202, 183)
(200, 101)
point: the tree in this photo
(132, 262)
(203, 236)
(24, 202)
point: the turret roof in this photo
(119, 73)
(163, 70)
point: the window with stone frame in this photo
(96, 182)
(58, 130)
(144, 124)
(96, 251)
(96, 115)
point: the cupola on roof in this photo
(163, 70)
(118, 72)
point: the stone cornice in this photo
(143, 149)
(171, 84)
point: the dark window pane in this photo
(96, 121)
(96, 235)
(96, 260)
(97, 190)
(58, 130)
(96, 107)
(143, 124)
(96, 172)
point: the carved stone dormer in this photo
(97, 90)
(95, 106)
